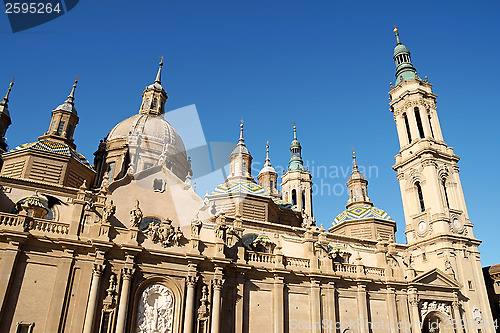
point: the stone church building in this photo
(126, 245)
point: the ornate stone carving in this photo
(220, 227)
(477, 315)
(196, 228)
(203, 310)
(98, 269)
(127, 272)
(191, 280)
(217, 283)
(427, 307)
(164, 233)
(135, 215)
(110, 300)
(448, 268)
(156, 310)
(108, 211)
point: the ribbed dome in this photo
(400, 48)
(153, 127)
(267, 168)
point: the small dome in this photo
(267, 168)
(153, 127)
(67, 106)
(400, 48)
(240, 149)
(361, 213)
(356, 175)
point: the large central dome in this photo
(151, 127)
(145, 140)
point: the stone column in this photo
(217, 283)
(190, 294)
(239, 309)
(278, 308)
(92, 303)
(332, 308)
(401, 129)
(121, 319)
(414, 312)
(456, 316)
(316, 306)
(7, 269)
(391, 309)
(410, 113)
(362, 308)
(59, 292)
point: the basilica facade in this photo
(126, 245)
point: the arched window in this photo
(443, 183)
(419, 123)
(294, 197)
(407, 125)
(155, 103)
(420, 196)
(146, 104)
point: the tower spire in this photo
(357, 186)
(158, 75)
(6, 98)
(396, 32)
(241, 140)
(402, 57)
(296, 162)
(268, 160)
(71, 97)
(354, 164)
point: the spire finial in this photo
(71, 97)
(268, 160)
(241, 140)
(6, 98)
(354, 164)
(158, 76)
(396, 32)
(295, 132)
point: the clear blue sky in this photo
(324, 64)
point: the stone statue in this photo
(195, 228)
(136, 216)
(109, 210)
(448, 268)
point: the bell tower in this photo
(296, 184)
(63, 122)
(5, 120)
(438, 230)
(154, 96)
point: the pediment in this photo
(436, 278)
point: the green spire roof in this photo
(296, 162)
(402, 57)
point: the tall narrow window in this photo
(303, 200)
(419, 123)
(68, 132)
(146, 104)
(155, 103)
(294, 197)
(407, 127)
(420, 196)
(430, 124)
(443, 183)
(61, 127)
